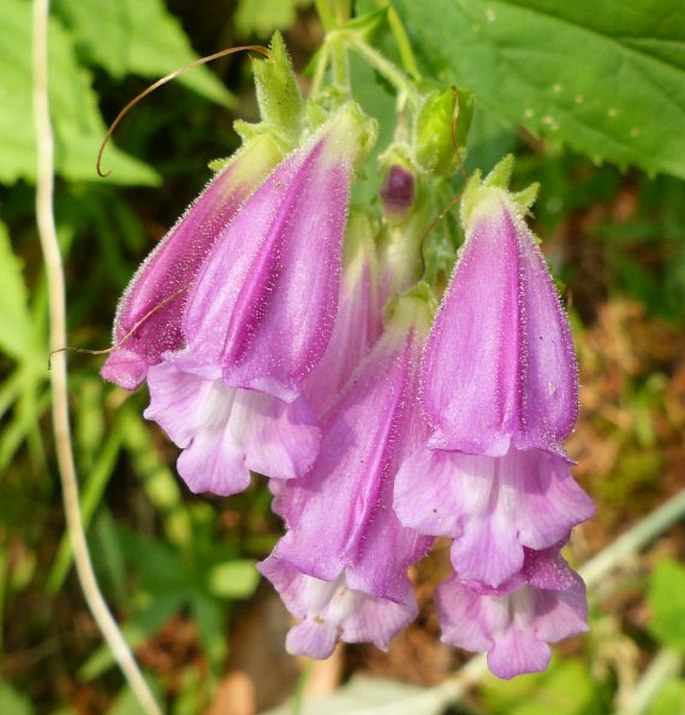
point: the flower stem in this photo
(404, 86)
(60, 410)
(401, 40)
(333, 14)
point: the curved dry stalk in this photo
(58, 376)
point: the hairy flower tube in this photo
(359, 322)
(149, 317)
(258, 319)
(344, 544)
(500, 390)
(500, 370)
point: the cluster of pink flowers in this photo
(272, 341)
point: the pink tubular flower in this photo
(150, 314)
(543, 604)
(258, 319)
(499, 368)
(342, 530)
(331, 610)
(500, 392)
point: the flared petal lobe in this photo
(331, 610)
(500, 368)
(545, 604)
(492, 507)
(225, 432)
(150, 314)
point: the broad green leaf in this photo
(262, 17)
(77, 124)
(606, 79)
(137, 37)
(16, 334)
(666, 598)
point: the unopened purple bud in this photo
(398, 192)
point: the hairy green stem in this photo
(383, 66)
(401, 40)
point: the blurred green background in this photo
(178, 570)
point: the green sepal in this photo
(526, 198)
(500, 176)
(413, 309)
(278, 96)
(497, 182)
(216, 165)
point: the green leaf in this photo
(210, 618)
(604, 79)
(567, 687)
(233, 579)
(137, 37)
(77, 124)
(670, 699)
(666, 598)
(262, 17)
(16, 334)
(13, 702)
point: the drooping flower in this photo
(500, 392)
(499, 368)
(544, 603)
(150, 314)
(258, 319)
(330, 611)
(342, 531)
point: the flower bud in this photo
(434, 145)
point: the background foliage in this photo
(591, 99)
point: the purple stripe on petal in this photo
(499, 364)
(157, 294)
